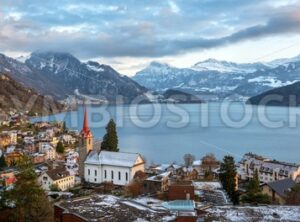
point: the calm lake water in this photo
(164, 133)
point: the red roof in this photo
(85, 128)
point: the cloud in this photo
(141, 29)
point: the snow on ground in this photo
(207, 185)
(108, 200)
(260, 213)
(153, 203)
(136, 205)
(60, 193)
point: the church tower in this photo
(85, 143)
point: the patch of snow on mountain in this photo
(224, 66)
(269, 81)
(22, 59)
(94, 68)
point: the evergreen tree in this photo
(253, 193)
(228, 178)
(29, 200)
(64, 127)
(60, 147)
(2, 162)
(110, 139)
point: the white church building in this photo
(105, 166)
(116, 167)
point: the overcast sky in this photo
(129, 34)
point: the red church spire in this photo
(85, 129)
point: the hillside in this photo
(15, 96)
(282, 96)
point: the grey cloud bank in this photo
(140, 28)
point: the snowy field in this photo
(261, 213)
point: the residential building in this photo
(8, 177)
(277, 190)
(13, 137)
(4, 140)
(57, 176)
(268, 170)
(13, 157)
(181, 190)
(38, 157)
(157, 183)
(48, 150)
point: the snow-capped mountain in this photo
(283, 62)
(227, 67)
(63, 75)
(220, 79)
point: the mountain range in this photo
(62, 75)
(221, 79)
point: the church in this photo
(98, 166)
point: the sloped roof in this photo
(112, 158)
(58, 173)
(281, 186)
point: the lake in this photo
(165, 132)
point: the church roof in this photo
(112, 158)
(85, 128)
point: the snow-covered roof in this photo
(197, 162)
(112, 158)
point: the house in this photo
(57, 176)
(68, 139)
(190, 173)
(181, 190)
(48, 150)
(157, 183)
(174, 168)
(38, 158)
(268, 170)
(276, 190)
(4, 140)
(116, 167)
(13, 137)
(98, 166)
(197, 165)
(13, 157)
(8, 177)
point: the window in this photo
(95, 179)
(89, 172)
(95, 173)
(105, 174)
(119, 175)
(126, 176)
(112, 175)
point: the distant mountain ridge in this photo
(62, 75)
(221, 79)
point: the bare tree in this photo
(188, 159)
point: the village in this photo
(91, 180)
